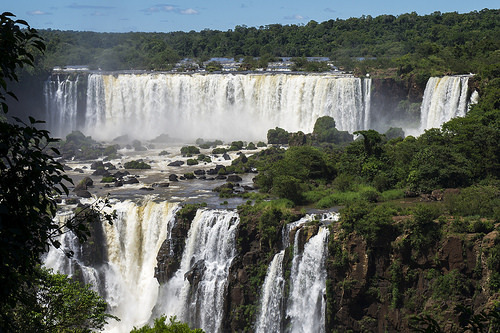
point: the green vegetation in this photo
(189, 151)
(136, 164)
(56, 303)
(31, 180)
(160, 326)
(408, 45)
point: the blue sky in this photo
(186, 15)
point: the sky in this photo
(187, 15)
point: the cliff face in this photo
(378, 289)
(394, 103)
(372, 285)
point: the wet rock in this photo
(195, 275)
(199, 172)
(226, 156)
(131, 180)
(96, 165)
(173, 178)
(234, 178)
(83, 194)
(118, 183)
(67, 168)
(101, 172)
(161, 185)
(78, 170)
(147, 189)
(84, 184)
(72, 201)
(176, 163)
(220, 177)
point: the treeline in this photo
(441, 42)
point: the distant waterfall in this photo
(444, 98)
(61, 103)
(210, 249)
(272, 302)
(306, 304)
(232, 106)
(127, 279)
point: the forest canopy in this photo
(407, 43)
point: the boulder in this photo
(226, 156)
(173, 178)
(176, 163)
(83, 194)
(199, 172)
(160, 185)
(234, 178)
(84, 184)
(131, 180)
(96, 165)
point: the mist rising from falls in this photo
(444, 98)
(228, 106)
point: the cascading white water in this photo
(306, 304)
(235, 106)
(209, 251)
(271, 304)
(127, 278)
(444, 98)
(270, 315)
(61, 102)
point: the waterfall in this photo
(270, 315)
(61, 105)
(306, 304)
(126, 280)
(271, 307)
(199, 105)
(444, 98)
(195, 293)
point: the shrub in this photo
(136, 165)
(189, 150)
(192, 162)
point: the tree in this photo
(30, 181)
(56, 303)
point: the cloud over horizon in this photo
(38, 12)
(168, 8)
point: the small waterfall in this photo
(199, 105)
(126, 280)
(61, 104)
(272, 303)
(306, 303)
(196, 292)
(444, 98)
(271, 307)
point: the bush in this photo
(189, 150)
(277, 136)
(136, 165)
(192, 162)
(475, 200)
(261, 144)
(219, 151)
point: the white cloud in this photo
(294, 17)
(189, 11)
(166, 8)
(38, 12)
